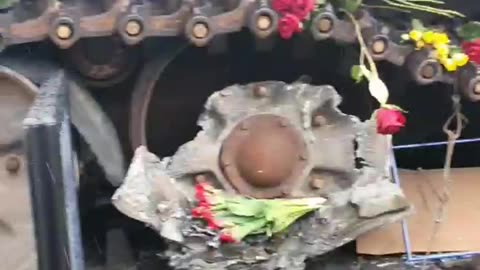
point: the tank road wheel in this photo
(20, 80)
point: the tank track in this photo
(202, 21)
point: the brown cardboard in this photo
(460, 229)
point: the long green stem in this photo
(428, 1)
(410, 5)
(452, 12)
(363, 45)
(386, 7)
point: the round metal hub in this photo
(263, 156)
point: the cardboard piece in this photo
(460, 229)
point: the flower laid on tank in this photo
(288, 25)
(472, 49)
(293, 13)
(470, 33)
(450, 56)
(234, 217)
(389, 119)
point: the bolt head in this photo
(12, 164)
(324, 25)
(428, 71)
(259, 91)
(133, 28)
(264, 22)
(319, 120)
(200, 30)
(317, 183)
(64, 31)
(379, 46)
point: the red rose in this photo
(303, 8)
(389, 121)
(288, 25)
(299, 8)
(282, 6)
(472, 49)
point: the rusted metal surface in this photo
(143, 90)
(102, 61)
(251, 159)
(201, 21)
(17, 92)
(16, 95)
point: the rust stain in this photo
(165, 24)
(30, 29)
(99, 23)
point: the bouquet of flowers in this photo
(236, 217)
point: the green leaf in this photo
(240, 231)
(284, 221)
(352, 5)
(245, 207)
(469, 31)
(227, 219)
(418, 25)
(320, 2)
(356, 73)
(455, 49)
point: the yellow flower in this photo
(428, 37)
(420, 44)
(440, 38)
(442, 50)
(415, 35)
(460, 59)
(449, 64)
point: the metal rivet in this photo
(243, 126)
(133, 28)
(317, 183)
(226, 163)
(379, 46)
(324, 25)
(12, 164)
(259, 91)
(200, 30)
(319, 120)
(64, 31)
(428, 71)
(264, 22)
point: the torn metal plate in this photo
(268, 140)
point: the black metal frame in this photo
(53, 179)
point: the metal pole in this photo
(405, 232)
(419, 145)
(52, 179)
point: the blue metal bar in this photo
(405, 233)
(441, 256)
(418, 145)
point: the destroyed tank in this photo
(264, 101)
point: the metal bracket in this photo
(52, 178)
